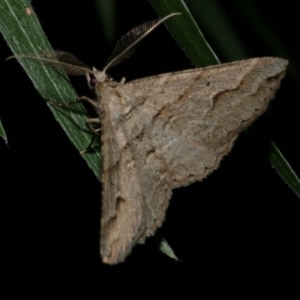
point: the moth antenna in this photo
(72, 65)
(125, 46)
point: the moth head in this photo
(98, 76)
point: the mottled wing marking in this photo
(166, 131)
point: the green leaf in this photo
(3, 133)
(284, 169)
(164, 247)
(24, 35)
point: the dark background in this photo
(237, 231)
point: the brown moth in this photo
(164, 132)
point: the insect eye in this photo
(93, 81)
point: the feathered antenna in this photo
(71, 64)
(125, 46)
(123, 49)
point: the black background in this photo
(235, 232)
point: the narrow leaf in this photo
(3, 133)
(24, 35)
(284, 169)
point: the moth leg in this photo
(88, 79)
(78, 100)
(89, 122)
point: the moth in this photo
(164, 132)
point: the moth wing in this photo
(136, 189)
(197, 114)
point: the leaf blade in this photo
(24, 34)
(284, 169)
